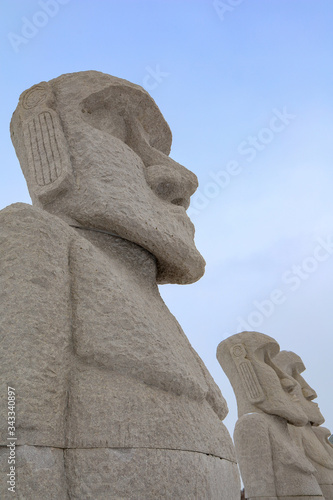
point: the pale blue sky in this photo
(248, 96)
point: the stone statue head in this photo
(94, 150)
(292, 364)
(248, 359)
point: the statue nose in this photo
(167, 178)
(172, 183)
(309, 393)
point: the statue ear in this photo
(247, 374)
(50, 170)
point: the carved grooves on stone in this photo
(247, 374)
(73, 315)
(44, 148)
(249, 378)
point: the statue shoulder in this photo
(32, 242)
(21, 224)
(253, 422)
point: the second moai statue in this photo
(312, 439)
(271, 466)
(112, 400)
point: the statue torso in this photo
(135, 370)
(102, 362)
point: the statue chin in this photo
(177, 258)
(189, 272)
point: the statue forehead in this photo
(80, 85)
(252, 342)
(95, 90)
(289, 361)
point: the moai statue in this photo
(112, 401)
(312, 439)
(322, 461)
(271, 466)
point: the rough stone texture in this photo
(292, 364)
(268, 398)
(323, 461)
(311, 439)
(97, 360)
(150, 474)
(94, 148)
(270, 463)
(40, 474)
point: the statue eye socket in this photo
(106, 120)
(287, 385)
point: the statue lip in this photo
(181, 203)
(178, 209)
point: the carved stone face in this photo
(123, 179)
(248, 359)
(293, 365)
